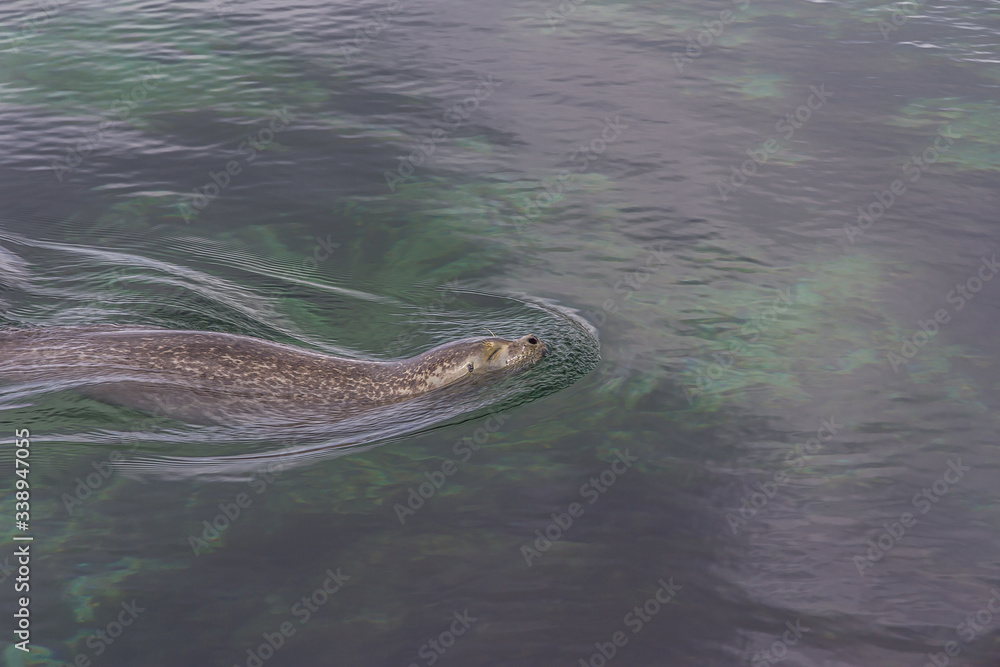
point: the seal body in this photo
(215, 377)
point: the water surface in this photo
(776, 223)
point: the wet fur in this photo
(204, 376)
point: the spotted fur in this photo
(162, 371)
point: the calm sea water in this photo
(775, 223)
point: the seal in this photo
(208, 377)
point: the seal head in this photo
(458, 360)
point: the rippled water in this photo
(775, 223)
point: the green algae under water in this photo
(762, 321)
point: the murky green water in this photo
(760, 238)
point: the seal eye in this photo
(532, 341)
(470, 367)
